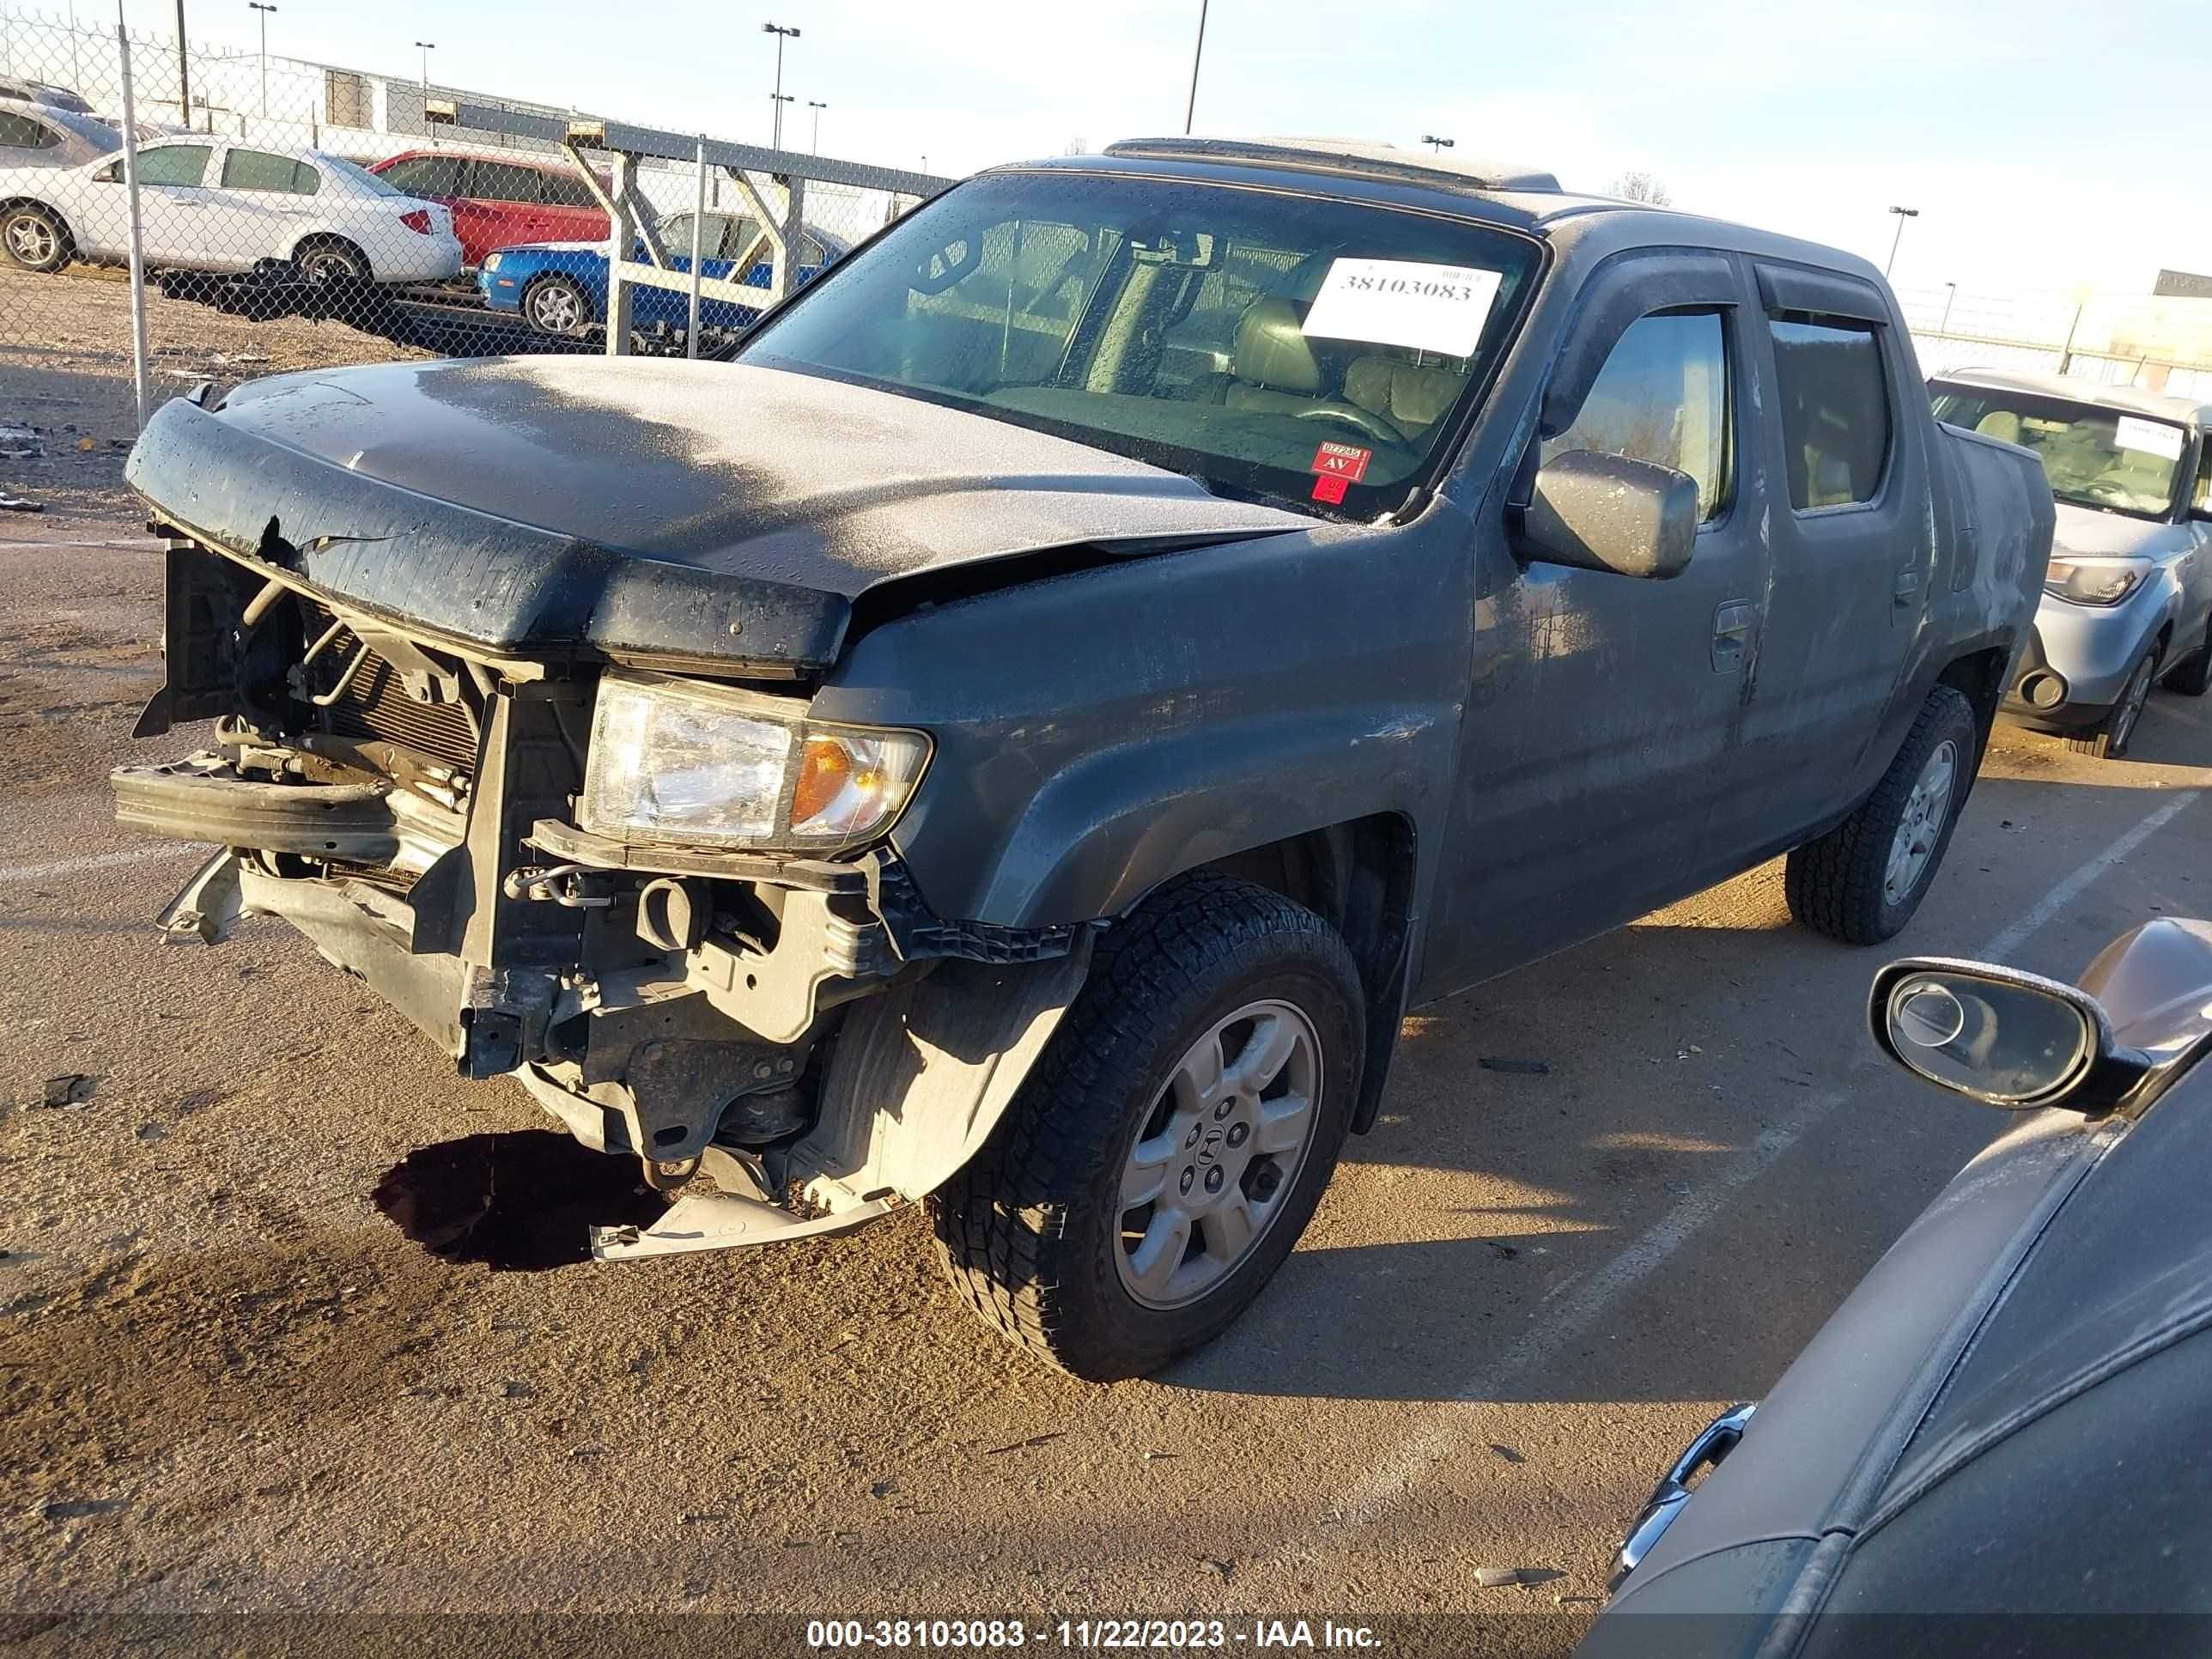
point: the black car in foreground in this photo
(2002, 1443)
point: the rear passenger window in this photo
(1662, 397)
(1835, 411)
(254, 169)
(564, 190)
(496, 181)
(22, 132)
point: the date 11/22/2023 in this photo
(1088, 1635)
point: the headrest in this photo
(2000, 424)
(1413, 395)
(1272, 349)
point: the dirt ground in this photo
(293, 1321)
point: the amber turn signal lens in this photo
(824, 769)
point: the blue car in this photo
(560, 289)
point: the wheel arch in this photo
(326, 236)
(1358, 876)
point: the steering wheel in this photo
(1367, 423)
(2108, 489)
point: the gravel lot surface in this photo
(234, 1383)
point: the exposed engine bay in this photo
(798, 1029)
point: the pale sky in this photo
(2045, 144)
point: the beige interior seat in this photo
(1413, 396)
(2000, 424)
(1275, 369)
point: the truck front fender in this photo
(1100, 835)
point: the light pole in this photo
(775, 134)
(1437, 146)
(1190, 107)
(428, 46)
(256, 5)
(1950, 294)
(1903, 214)
(184, 71)
(817, 108)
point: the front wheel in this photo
(1862, 881)
(35, 237)
(1157, 1166)
(555, 306)
(2111, 739)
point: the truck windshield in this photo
(1310, 350)
(2093, 457)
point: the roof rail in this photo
(1345, 155)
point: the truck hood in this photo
(2084, 531)
(705, 514)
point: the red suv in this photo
(499, 201)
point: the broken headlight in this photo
(670, 761)
(2094, 581)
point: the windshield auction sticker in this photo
(1402, 302)
(2146, 437)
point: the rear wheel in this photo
(33, 236)
(1161, 1160)
(2110, 740)
(2192, 676)
(556, 306)
(1862, 881)
(332, 257)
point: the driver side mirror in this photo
(2002, 1036)
(1610, 512)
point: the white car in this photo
(206, 204)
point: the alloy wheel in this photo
(1217, 1154)
(2131, 705)
(1926, 810)
(32, 240)
(556, 308)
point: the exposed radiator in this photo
(376, 706)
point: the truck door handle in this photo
(1906, 588)
(1731, 634)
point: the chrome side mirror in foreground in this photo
(2002, 1036)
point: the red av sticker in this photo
(1345, 461)
(1330, 487)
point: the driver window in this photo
(1663, 397)
(2200, 499)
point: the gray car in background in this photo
(2129, 598)
(34, 133)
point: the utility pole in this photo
(1950, 295)
(256, 5)
(817, 108)
(1437, 146)
(775, 133)
(428, 46)
(1903, 214)
(1190, 108)
(184, 70)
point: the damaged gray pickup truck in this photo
(1021, 735)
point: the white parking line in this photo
(1565, 1324)
(98, 861)
(1440, 1433)
(2076, 884)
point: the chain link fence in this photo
(2160, 344)
(284, 215)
